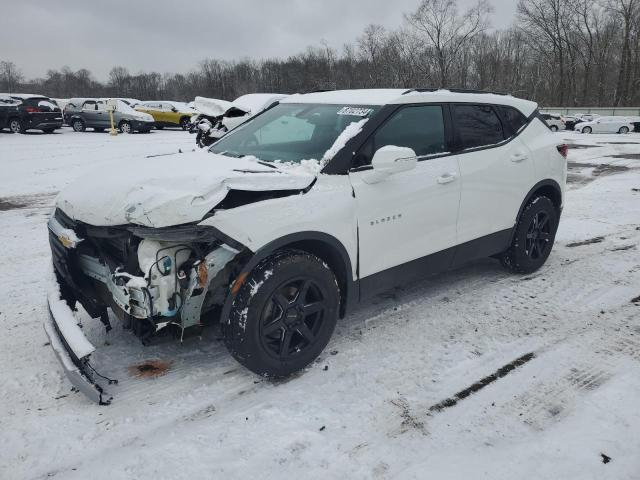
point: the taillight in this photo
(33, 110)
(563, 149)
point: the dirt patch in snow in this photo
(576, 175)
(580, 147)
(18, 202)
(629, 156)
(501, 372)
(150, 369)
(589, 241)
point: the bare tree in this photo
(10, 76)
(627, 11)
(442, 29)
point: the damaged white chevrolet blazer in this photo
(298, 215)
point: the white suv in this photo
(298, 215)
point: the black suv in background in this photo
(20, 113)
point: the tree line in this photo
(557, 52)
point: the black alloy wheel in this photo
(292, 318)
(283, 314)
(533, 236)
(538, 236)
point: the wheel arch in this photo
(549, 188)
(326, 247)
(73, 118)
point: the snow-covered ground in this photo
(363, 410)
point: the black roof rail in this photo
(320, 90)
(456, 90)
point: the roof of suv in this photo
(394, 96)
(23, 96)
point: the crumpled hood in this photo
(169, 190)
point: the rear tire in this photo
(553, 128)
(15, 125)
(78, 125)
(623, 130)
(283, 315)
(533, 238)
(184, 123)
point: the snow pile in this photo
(347, 134)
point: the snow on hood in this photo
(211, 106)
(254, 103)
(170, 190)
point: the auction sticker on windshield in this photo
(355, 111)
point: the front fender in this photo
(328, 208)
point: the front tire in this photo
(159, 127)
(587, 130)
(48, 130)
(283, 315)
(534, 236)
(125, 127)
(553, 128)
(78, 126)
(184, 123)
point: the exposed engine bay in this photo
(150, 278)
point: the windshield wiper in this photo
(227, 153)
(266, 164)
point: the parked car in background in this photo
(168, 114)
(569, 121)
(24, 112)
(132, 102)
(92, 113)
(605, 125)
(587, 117)
(554, 121)
(217, 117)
(260, 232)
(8, 105)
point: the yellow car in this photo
(168, 114)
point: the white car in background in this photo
(605, 125)
(554, 121)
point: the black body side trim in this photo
(406, 273)
(435, 263)
(483, 247)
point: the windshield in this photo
(292, 132)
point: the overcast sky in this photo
(173, 36)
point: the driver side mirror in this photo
(390, 160)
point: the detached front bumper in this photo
(73, 349)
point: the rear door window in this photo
(477, 125)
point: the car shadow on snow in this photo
(202, 357)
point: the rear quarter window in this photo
(477, 125)
(513, 120)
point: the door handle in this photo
(447, 178)
(519, 157)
